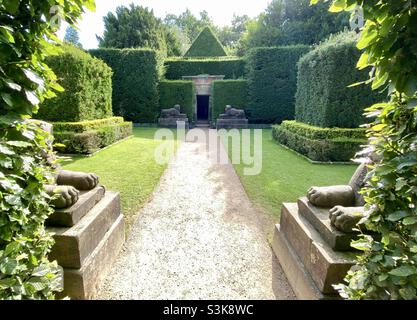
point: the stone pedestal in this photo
(88, 238)
(306, 253)
(172, 122)
(232, 123)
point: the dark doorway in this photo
(203, 108)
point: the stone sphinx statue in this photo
(169, 117)
(232, 118)
(232, 113)
(68, 184)
(345, 203)
(174, 112)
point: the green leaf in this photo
(19, 144)
(338, 6)
(5, 150)
(403, 271)
(361, 245)
(398, 215)
(368, 36)
(11, 5)
(410, 221)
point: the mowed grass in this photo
(128, 167)
(287, 176)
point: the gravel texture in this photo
(198, 237)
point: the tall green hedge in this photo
(272, 82)
(231, 68)
(88, 88)
(206, 45)
(323, 97)
(135, 82)
(229, 92)
(178, 92)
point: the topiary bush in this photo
(178, 92)
(231, 68)
(206, 45)
(323, 97)
(88, 87)
(272, 82)
(228, 92)
(136, 74)
(318, 144)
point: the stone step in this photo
(73, 245)
(83, 283)
(319, 219)
(324, 265)
(70, 216)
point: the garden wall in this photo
(135, 82)
(88, 88)
(228, 92)
(178, 92)
(272, 82)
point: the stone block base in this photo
(70, 216)
(73, 245)
(82, 283)
(232, 123)
(172, 122)
(319, 219)
(311, 265)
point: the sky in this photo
(221, 12)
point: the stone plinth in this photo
(319, 218)
(81, 284)
(310, 264)
(73, 245)
(172, 122)
(232, 123)
(88, 237)
(70, 216)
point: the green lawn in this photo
(287, 176)
(128, 167)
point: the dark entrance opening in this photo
(203, 108)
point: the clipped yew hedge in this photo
(135, 82)
(323, 97)
(178, 92)
(87, 137)
(228, 92)
(320, 144)
(272, 82)
(206, 45)
(231, 68)
(88, 87)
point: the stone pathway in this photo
(197, 238)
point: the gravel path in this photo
(197, 238)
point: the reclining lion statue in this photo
(68, 184)
(345, 202)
